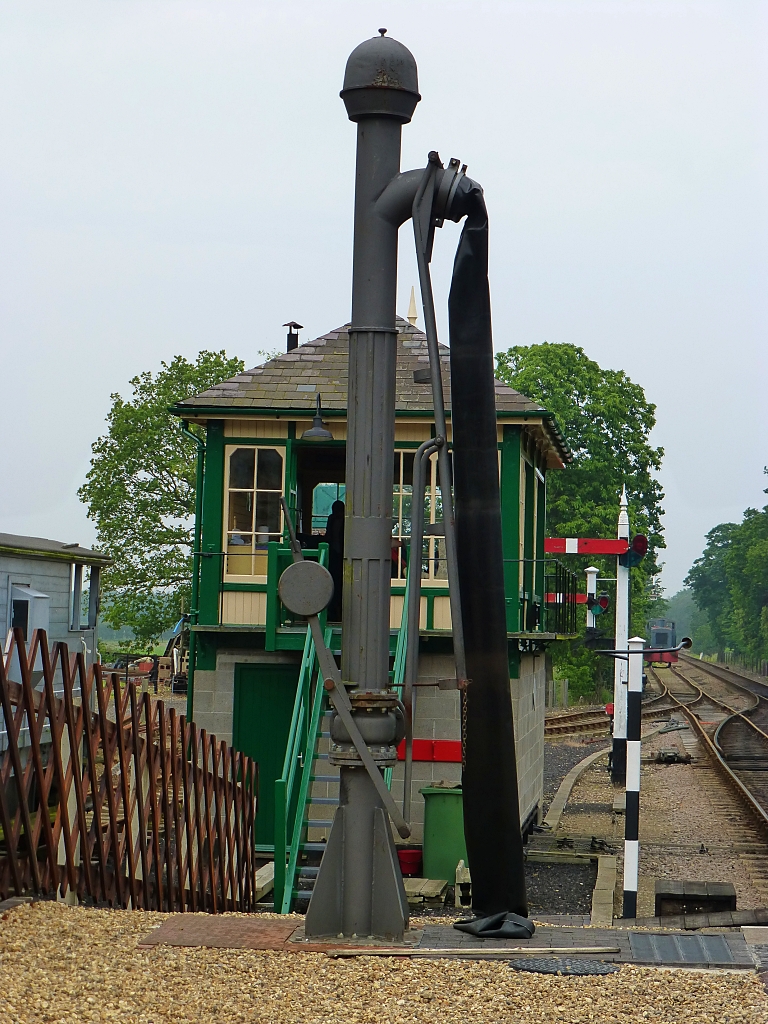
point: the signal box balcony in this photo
(541, 609)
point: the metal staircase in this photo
(306, 769)
(292, 800)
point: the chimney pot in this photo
(292, 340)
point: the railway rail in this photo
(595, 720)
(733, 731)
(591, 720)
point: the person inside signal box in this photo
(334, 535)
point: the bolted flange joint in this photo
(379, 717)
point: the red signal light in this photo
(638, 549)
(598, 603)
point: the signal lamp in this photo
(638, 549)
(598, 603)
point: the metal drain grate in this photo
(648, 948)
(561, 965)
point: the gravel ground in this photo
(69, 965)
(560, 888)
(682, 807)
(562, 755)
(551, 888)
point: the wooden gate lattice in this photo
(127, 804)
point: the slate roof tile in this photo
(284, 381)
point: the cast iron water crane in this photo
(359, 889)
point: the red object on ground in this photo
(665, 657)
(609, 709)
(410, 860)
(443, 751)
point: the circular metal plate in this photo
(562, 965)
(305, 588)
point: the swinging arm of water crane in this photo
(685, 644)
(427, 213)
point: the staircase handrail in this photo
(293, 750)
(299, 823)
(398, 668)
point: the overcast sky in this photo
(179, 175)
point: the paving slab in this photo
(221, 932)
(727, 949)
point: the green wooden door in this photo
(264, 697)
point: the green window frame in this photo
(254, 482)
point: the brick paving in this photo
(221, 932)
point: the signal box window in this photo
(433, 563)
(253, 514)
(323, 497)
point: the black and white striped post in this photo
(635, 648)
(619, 751)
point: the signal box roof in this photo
(290, 382)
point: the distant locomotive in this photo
(662, 635)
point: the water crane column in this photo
(359, 890)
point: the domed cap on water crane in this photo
(381, 80)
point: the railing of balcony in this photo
(541, 596)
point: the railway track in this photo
(591, 720)
(596, 721)
(729, 713)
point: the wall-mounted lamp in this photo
(318, 431)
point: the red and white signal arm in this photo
(585, 546)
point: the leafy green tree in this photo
(747, 564)
(730, 583)
(607, 421)
(140, 492)
(708, 579)
(690, 620)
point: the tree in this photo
(140, 492)
(690, 620)
(747, 567)
(607, 421)
(708, 579)
(730, 583)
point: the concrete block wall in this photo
(528, 693)
(437, 716)
(215, 689)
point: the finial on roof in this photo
(623, 531)
(412, 314)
